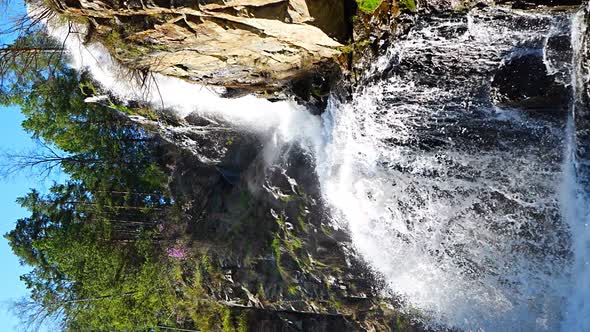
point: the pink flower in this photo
(176, 252)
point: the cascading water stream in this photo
(248, 113)
(575, 204)
(458, 203)
(454, 200)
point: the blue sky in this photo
(12, 139)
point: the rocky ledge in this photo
(264, 243)
(246, 44)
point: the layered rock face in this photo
(267, 227)
(252, 44)
(283, 262)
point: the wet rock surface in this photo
(281, 259)
(463, 104)
(582, 106)
(524, 81)
(266, 227)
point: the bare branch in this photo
(42, 161)
(34, 316)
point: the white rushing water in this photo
(575, 203)
(457, 209)
(458, 204)
(247, 113)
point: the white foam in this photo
(413, 217)
(286, 121)
(416, 258)
(575, 201)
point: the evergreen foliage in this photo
(98, 261)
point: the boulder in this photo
(243, 44)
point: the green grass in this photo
(243, 322)
(408, 5)
(368, 6)
(276, 247)
(292, 290)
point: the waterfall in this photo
(575, 204)
(283, 122)
(469, 210)
(454, 200)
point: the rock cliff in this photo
(272, 251)
(247, 44)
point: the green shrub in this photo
(368, 6)
(407, 5)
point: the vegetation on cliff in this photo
(115, 247)
(92, 240)
(368, 6)
(143, 236)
